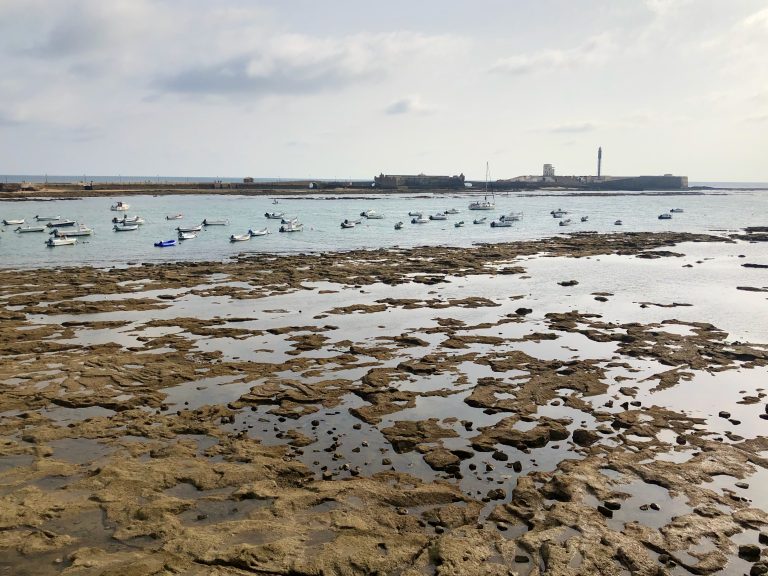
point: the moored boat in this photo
(262, 232)
(348, 224)
(451, 211)
(289, 220)
(207, 222)
(61, 224)
(398, 226)
(511, 217)
(419, 220)
(458, 224)
(438, 216)
(26, 229)
(119, 206)
(187, 235)
(63, 241)
(125, 227)
(566, 222)
(274, 215)
(479, 220)
(81, 230)
(413, 213)
(165, 243)
(240, 237)
(558, 213)
(292, 226)
(501, 224)
(46, 218)
(189, 228)
(677, 210)
(13, 222)
(618, 223)
(584, 218)
(175, 217)
(665, 216)
(371, 214)
(484, 204)
(126, 220)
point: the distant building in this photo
(549, 170)
(248, 180)
(394, 181)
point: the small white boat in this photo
(81, 230)
(677, 210)
(61, 224)
(274, 201)
(584, 218)
(398, 226)
(438, 216)
(46, 218)
(125, 227)
(348, 224)
(511, 217)
(371, 214)
(190, 228)
(13, 222)
(566, 222)
(262, 232)
(501, 224)
(126, 220)
(479, 220)
(665, 216)
(419, 220)
(119, 207)
(62, 241)
(207, 222)
(292, 226)
(187, 235)
(239, 237)
(274, 215)
(175, 217)
(415, 213)
(26, 229)
(558, 213)
(458, 224)
(618, 223)
(451, 211)
(289, 220)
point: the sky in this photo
(350, 89)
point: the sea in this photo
(713, 211)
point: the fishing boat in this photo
(125, 227)
(419, 220)
(292, 226)
(46, 218)
(415, 214)
(511, 217)
(566, 222)
(62, 241)
(558, 213)
(119, 207)
(677, 210)
(26, 229)
(372, 214)
(485, 204)
(274, 201)
(190, 228)
(665, 216)
(618, 223)
(289, 220)
(348, 224)
(584, 218)
(262, 232)
(501, 224)
(81, 230)
(458, 224)
(165, 243)
(479, 220)
(61, 224)
(187, 235)
(240, 237)
(207, 222)
(451, 211)
(175, 217)
(398, 226)
(274, 215)
(13, 222)
(438, 216)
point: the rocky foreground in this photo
(380, 412)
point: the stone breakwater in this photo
(374, 412)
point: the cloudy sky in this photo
(348, 89)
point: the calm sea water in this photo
(322, 217)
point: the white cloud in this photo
(408, 105)
(594, 51)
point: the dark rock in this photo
(601, 298)
(749, 552)
(654, 506)
(763, 538)
(500, 456)
(612, 505)
(585, 437)
(605, 511)
(742, 485)
(568, 283)
(724, 414)
(521, 559)
(758, 569)
(680, 440)
(517, 466)
(496, 494)
(523, 311)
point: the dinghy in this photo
(81, 230)
(479, 220)
(292, 226)
(125, 227)
(165, 243)
(398, 226)
(262, 232)
(458, 224)
(63, 241)
(46, 218)
(207, 222)
(26, 229)
(61, 224)
(120, 207)
(274, 215)
(348, 224)
(13, 222)
(187, 235)
(239, 237)
(190, 228)
(175, 217)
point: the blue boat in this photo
(165, 243)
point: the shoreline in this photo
(409, 411)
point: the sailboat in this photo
(485, 204)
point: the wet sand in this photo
(421, 411)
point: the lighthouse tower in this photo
(599, 160)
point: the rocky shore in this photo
(395, 412)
